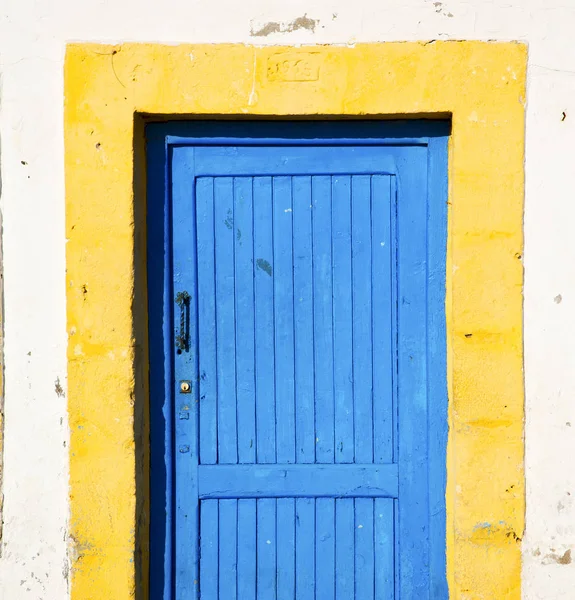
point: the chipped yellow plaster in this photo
(108, 91)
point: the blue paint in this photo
(245, 325)
(224, 244)
(344, 548)
(209, 565)
(246, 567)
(303, 322)
(298, 481)
(185, 367)
(342, 318)
(364, 554)
(412, 391)
(206, 302)
(384, 549)
(437, 358)
(314, 255)
(286, 569)
(383, 234)
(283, 320)
(361, 284)
(305, 548)
(266, 549)
(264, 324)
(227, 549)
(322, 318)
(325, 548)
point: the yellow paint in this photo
(108, 89)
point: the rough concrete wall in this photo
(32, 39)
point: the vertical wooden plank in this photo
(246, 549)
(244, 289)
(305, 548)
(209, 563)
(342, 318)
(344, 549)
(362, 318)
(412, 391)
(437, 357)
(304, 380)
(264, 321)
(384, 549)
(322, 319)
(383, 295)
(285, 392)
(283, 319)
(397, 534)
(303, 320)
(185, 366)
(225, 320)
(364, 558)
(325, 548)
(285, 548)
(395, 320)
(227, 550)
(266, 548)
(207, 320)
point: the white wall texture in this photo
(33, 34)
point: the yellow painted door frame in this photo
(110, 91)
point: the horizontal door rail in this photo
(298, 481)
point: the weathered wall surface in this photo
(32, 42)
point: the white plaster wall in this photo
(33, 34)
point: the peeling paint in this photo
(229, 222)
(275, 27)
(58, 388)
(267, 29)
(559, 559)
(440, 9)
(264, 265)
(495, 532)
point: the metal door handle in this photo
(183, 336)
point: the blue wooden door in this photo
(304, 413)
